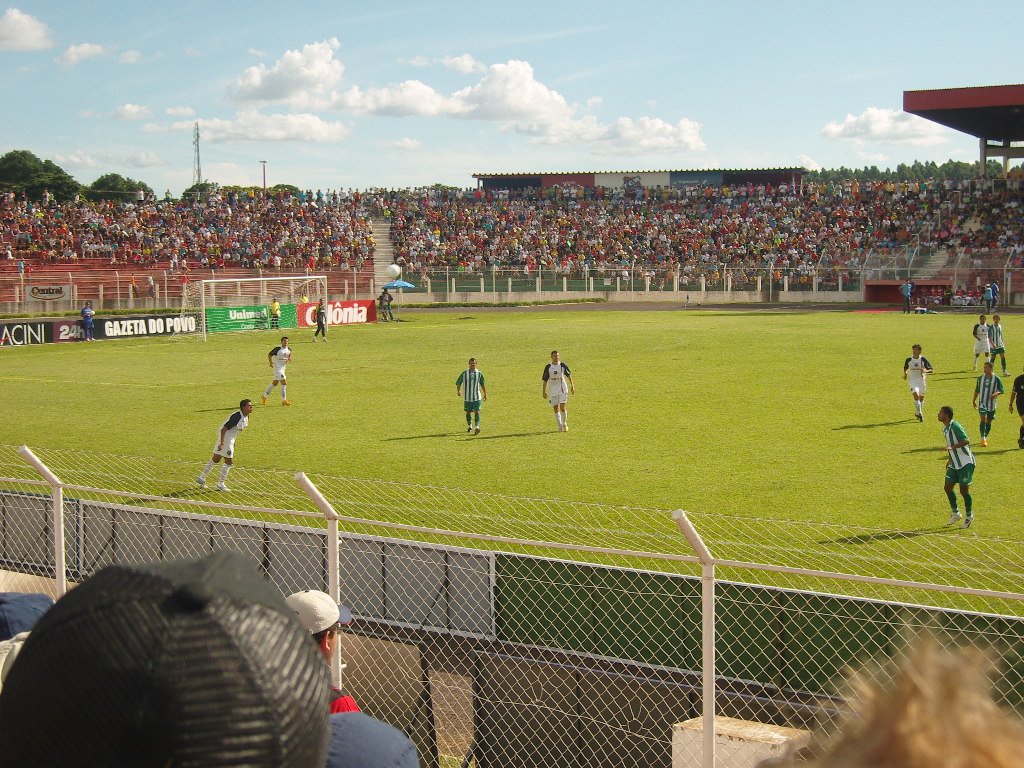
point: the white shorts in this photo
(981, 347)
(228, 451)
(920, 386)
(557, 398)
(279, 374)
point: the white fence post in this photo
(707, 612)
(333, 558)
(59, 553)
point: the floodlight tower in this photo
(197, 167)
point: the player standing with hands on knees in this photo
(915, 369)
(225, 447)
(278, 358)
(556, 389)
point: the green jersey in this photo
(958, 457)
(472, 382)
(986, 389)
(995, 336)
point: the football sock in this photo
(224, 469)
(917, 406)
(558, 418)
(476, 418)
(209, 464)
(981, 429)
(269, 389)
(952, 500)
(284, 391)
(968, 504)
(469, 418)
(1022, 432)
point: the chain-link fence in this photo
(509, 631)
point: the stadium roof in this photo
(674, 170)
(994, 112)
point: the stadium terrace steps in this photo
(383, 252)
(933, 265)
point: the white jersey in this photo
(280, 356)
(916, 369)
(232, 426)
(554, 375)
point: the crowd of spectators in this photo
(285, 232)
(686, 230)
(823, 230)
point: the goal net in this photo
(248, 304)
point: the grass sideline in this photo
(797, 416)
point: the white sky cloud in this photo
(249, 125)
(302, 78)
(407, 144)
(886, 126)
(21, 32)
(130, 57)
(132, 112)
(81, 159)
(412, 97)
(77, 53)
(180, 111)
(257, 53)
(465, 64)
(809, 163)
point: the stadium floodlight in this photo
(243, 304)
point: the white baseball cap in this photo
(317, 611)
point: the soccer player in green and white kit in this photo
(470, 386)
(987, 389)
(959, 466)
(996, 342)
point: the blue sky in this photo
(340, 95)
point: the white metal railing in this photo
(499, 624)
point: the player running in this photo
(225, 445)
(986, 390)
(278, 358)
(1017, 396)
(959, 466)
(996, 344)
(560, 379)
(470, 386)
(981, 344)
(915, 369)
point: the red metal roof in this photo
(993, 112)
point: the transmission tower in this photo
(197, 167)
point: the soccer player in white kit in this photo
(224, 448)
(556, 389)
(915, 370)
(278, 358)
(981, 341)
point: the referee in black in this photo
(321, 320)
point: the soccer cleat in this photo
(953, 518)
(1020, 443)
(967, 521)
(920, 417)
(201, 481)
(565, 428)
(983, 443)
(468, 430)
(476, 430)
(263, 399)
(222, 487)
(286, 402)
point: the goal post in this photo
(244, 304)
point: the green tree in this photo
(114, 186)
(200, 191)
(22, 171)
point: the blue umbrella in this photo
(399, 284)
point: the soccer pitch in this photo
(794, 415)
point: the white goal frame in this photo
(209, 287)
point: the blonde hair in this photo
(937, 712)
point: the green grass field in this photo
(793, 415)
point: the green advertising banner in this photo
(248, 318)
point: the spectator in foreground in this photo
(19, 612)
(324, 619)
(188, 662)
(937, 713)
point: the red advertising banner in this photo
(338, 313)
